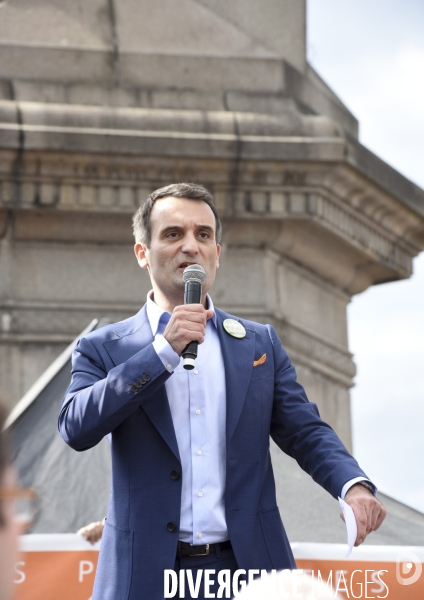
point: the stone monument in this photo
(103, 101)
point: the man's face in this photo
(183, 233)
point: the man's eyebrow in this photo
(208, 227)
(170, 228)
(174, 227)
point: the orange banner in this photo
(394, 572)
(55, 566)
(63, 566)
(360, 579)
(53, 575)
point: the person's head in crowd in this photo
(9, 528)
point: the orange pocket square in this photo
(260, 361)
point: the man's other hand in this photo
(187, 324)
(369, 512)
(93, 532)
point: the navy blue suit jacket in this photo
(141, 532)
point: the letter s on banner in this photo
(21, 575)
(376, 576)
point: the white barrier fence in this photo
(53, 566)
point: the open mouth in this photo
(186, 264)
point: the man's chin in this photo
(178, 281)
(176, 287)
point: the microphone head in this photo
(195, 272)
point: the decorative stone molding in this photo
(39, 340)
(337, 218)
(59, 319)
(323, 196)
(317, 349)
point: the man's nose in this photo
(190, 245)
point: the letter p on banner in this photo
(85, 568)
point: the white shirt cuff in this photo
(166, 353)
(352, 482)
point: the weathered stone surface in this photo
(56, 23)
(164, 54)
(56, 64)
(46, 273)
(145, 27)
(278, 24)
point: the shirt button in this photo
(199, 452)
(200, 494)
(198, 411)
(169, 367)
(196, 372)
(200, 535)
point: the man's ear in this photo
(142, 252)
(218, 253)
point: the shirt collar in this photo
(155, 313)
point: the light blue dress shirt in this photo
(197, 400)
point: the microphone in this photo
(194, 276)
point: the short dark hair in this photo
(192, 191)
(4, 457)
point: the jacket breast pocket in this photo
(262, 371)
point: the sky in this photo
(371, 53)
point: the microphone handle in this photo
(193, 292)
(192, 295)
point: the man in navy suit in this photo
(192, 482)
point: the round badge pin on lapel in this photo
(234, 328)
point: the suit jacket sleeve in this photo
(298, 430)
(98, 399)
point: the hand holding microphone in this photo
(186, 328)
(194, 276)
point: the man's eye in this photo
(172, 234)
(205, 234)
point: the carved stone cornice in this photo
(323, 207)
(336, 217)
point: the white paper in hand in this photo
(351, 527)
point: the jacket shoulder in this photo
(260, 328)
(113, 331)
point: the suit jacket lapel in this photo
(133, 335)
(238, 355)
